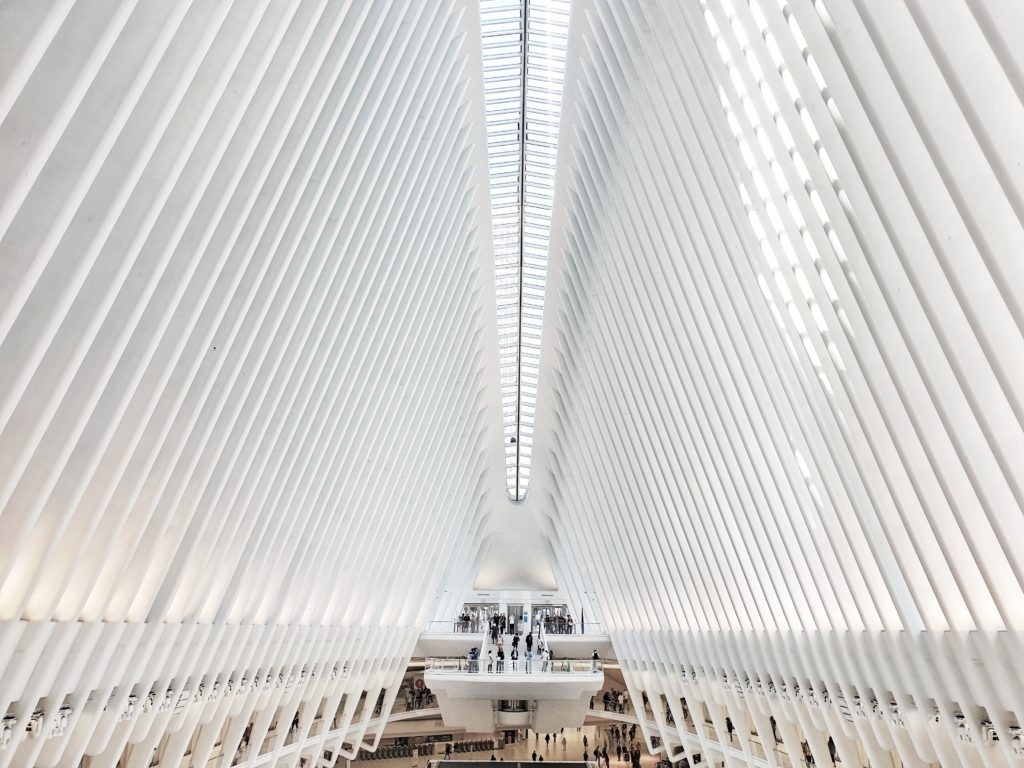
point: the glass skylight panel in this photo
(524, 70)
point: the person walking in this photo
(564, 744)
(501, 659)
(584, 741)
(547, 739)
(529, 641)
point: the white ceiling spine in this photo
(247, 345)
(779, 422)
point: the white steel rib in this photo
(257, 385)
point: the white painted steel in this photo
(780, 418)
(249, 407)
(253, 399)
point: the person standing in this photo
(564, 744)
(490, 660)
(501, 659)
(547, 739)
(594, 661)
(514, 659)
(529, 641)
(534, 756)
(529, 661)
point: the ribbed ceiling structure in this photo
(248, 379)
(252, 429)
(781, 403)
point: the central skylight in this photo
(524, 68)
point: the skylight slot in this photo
(524, 70)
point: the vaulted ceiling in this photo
(269, 321)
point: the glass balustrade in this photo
(519, 667)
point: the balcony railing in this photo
(449, 627)
(515, 668)
(554, 626)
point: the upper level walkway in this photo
(509, 667)
(450, 639)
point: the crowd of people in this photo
(418, 698)
(559, 625)
(613, 701)
(497, 624)
(529, 660)
(622, 740)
